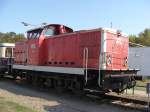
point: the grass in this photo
(141, 85)
(8, 106)
(140, 88)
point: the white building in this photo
(139, 58)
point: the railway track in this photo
(126, 101)
(131, 102)
(131, 99)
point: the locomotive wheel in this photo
(1, 75)
(34, 80)
(59, 85)
(29, 79)
(14, 77)
(78, 89)
(49, 82)
(40, 81)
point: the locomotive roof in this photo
(42, 27)
(111, 30)
(101, 28)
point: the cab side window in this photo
(50, 31)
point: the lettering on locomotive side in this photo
(119, 41)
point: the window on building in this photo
(1, 52)
(8, 52)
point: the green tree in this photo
(11, 37)
(132, 38)
(143, 38)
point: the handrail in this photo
(85, 62)
(99, 71)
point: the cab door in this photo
(33, 47)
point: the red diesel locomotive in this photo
(56, 56)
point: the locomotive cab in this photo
(36, 38)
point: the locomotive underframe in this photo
(119, 80)
(111, 80)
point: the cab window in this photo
(29, 35)
(49, 32)
(35, 34)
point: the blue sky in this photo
(130, 16)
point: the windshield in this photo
(35, 34)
